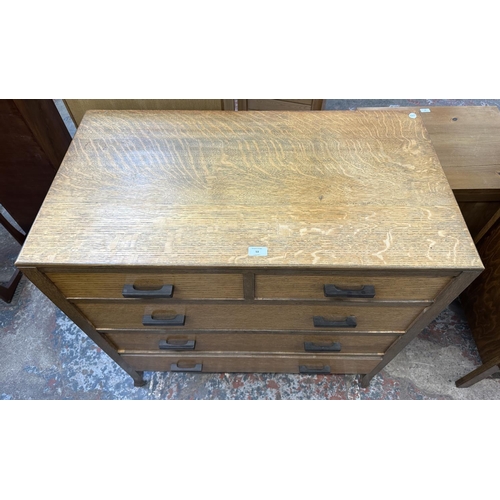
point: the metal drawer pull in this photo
(148, 320)
(188, 345)
(365, 292)
(165, 292)
(312, 347)
(349, 322)
(196, 368)
(312, 370)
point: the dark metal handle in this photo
(188, 345)
(196, 368)
(312, 370)
(165, 292)
(312, 347)
(365, 292)
(148, 320)
(320, 322)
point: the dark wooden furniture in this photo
(481, 302)
(33, 142)
(280, 104)
(250, 242)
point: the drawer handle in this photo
(349, 322)
(188, 345)
(174, 367)
(165, 292)
(148, 320)
(313, 371)
(365, 292)
(312, 347)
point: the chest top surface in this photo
(327, 189)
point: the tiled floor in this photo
(43, 355)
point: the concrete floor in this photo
(43, 355)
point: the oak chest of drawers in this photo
(317, 242)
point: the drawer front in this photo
(185, 286)
(134, 315)
(252, 364)
(346, 287)
(250, 342)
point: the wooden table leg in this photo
(479, 374)
(7, 291)
(139, 381)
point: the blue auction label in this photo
(257, 251)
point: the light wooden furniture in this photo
(251, 242)
(33, 141)
(467, 142)
(280, 104)
(78, 107)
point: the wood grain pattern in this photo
(186, 286)
(250, 316)
(185, 193)
(78, 107)
(311, 287)
(251, 363)
(254, 342)
(323, 189)
(466, 140)
(472, 140)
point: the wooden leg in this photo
(17, 235)
(479, 374)
(365, 381)
(7, 291)
(139, 380)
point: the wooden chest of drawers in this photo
(317, 242)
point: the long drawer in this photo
(184, 285)
(253, 342)
(269, 286)
(322, 317)
(235, 363)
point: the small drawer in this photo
(269, 286)
(234, 363)
(123, 285)
(249, 342)
(320, 318)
